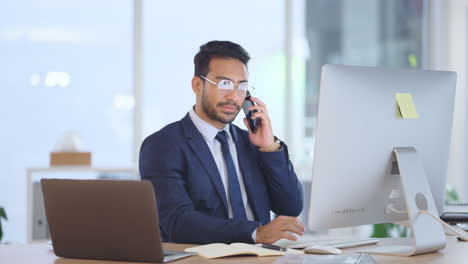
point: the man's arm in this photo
(284, 187)
(285, 193)
(163, 165)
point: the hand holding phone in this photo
(253, 123)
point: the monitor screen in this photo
(361, 119)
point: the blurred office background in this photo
(116, 71)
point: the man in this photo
(213, 181)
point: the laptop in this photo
(105, 220)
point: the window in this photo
(258, 26)
(66, 65)
(368, 33)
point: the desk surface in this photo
(455, 252)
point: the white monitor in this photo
(358, 127)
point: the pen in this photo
(273, 247)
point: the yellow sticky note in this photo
(406, 106)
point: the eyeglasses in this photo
(225, 87)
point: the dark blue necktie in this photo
(238, 209)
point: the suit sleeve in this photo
(163, 164)
(285, 189)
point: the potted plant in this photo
(2, 215)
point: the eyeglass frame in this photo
(249, 90)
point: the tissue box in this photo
(70, 158)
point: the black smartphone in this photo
(253, 123)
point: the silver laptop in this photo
(105, 220)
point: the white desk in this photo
(455, 252)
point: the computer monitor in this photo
(359, 125)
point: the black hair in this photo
(218, 49)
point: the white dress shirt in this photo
(209, 132)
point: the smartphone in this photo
(253, 123)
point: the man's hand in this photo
(264, 135)
(278, 229)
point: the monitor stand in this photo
(427, 234)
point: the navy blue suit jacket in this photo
(191, 198)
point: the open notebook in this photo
(218, 250)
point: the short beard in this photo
(212, 112)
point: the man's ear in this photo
(197, 85)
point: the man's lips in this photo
(230, 108)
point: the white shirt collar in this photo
(208, 131)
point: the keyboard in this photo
(455, 213)
(337, 243)
(456, 208)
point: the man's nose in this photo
(233, 95)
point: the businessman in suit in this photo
(215, 182)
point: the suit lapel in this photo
(198, 145)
